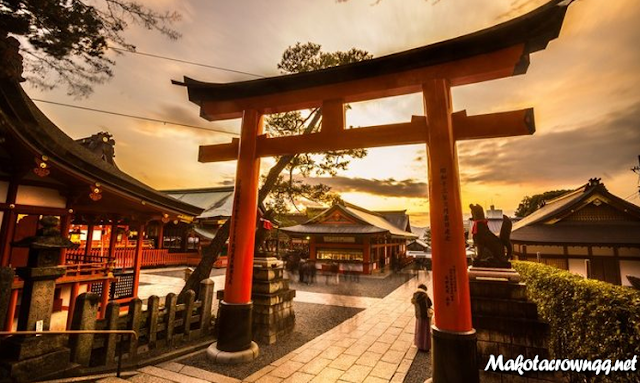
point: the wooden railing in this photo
(157, 326)
(125, 257)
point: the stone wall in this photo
(507, 324)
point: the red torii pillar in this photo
(453, 335)
(235, 311)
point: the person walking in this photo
(422, 304)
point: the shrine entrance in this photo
(497, 52)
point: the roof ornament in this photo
(42, 167)
(96, 192)
(594, 182)
(10, 57)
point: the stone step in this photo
(111, 379)
(507, 308)
(497, 289)
(512, 327)
(146, 378)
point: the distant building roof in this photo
(350, 219)
(589, 214)
(217, 202)
(28, 133)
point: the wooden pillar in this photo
(75, 288)
(8, 224)
(88, 243)
(112, 241)
(160, 243)
(11, 313)
(137, 263)
(366, 255)
(104, 299)
(65, 223)
(454, 338)
(313, 252)
(235, 309)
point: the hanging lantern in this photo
(96, 192)
(42, 168)
(165, 218)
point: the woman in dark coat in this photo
(422, 304)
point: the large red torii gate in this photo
(497, 52)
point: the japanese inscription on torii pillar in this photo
(493, 53)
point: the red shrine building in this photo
(117, 222)
(588, 231)
(357, 239)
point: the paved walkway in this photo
(162, 285)
(375, 345)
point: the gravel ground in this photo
(372, 287)
(311, 321)
(420, 369)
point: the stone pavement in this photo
(152, 284)
(375, 345)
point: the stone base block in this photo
(26, 347)
(224, 357)
(454, 356)
(498, 289)
(490, 273)
(234, 327)
(28, 370)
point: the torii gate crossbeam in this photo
(497, 52)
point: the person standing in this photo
(422, 304)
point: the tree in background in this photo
(283, 190)
(530, 204)
(65, 41)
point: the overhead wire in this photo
(136, 52)
(134, 116)
(154, 119)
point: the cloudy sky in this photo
(584, 88)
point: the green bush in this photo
(588, 319)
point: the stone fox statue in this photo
(491, 249)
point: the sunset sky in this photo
(585, 88)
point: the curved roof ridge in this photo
(35, 130)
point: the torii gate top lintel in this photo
(496, 52)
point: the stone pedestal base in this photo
(234, 327)
(508, 325)
(25, 359)
(273, 314)
(491, 273)
(224, 357)
(454, 356)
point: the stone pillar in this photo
(6, 280)
(273, 315)
(206, 297)
(84, 318)
(29, 357)
(508, 324)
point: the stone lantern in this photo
(27, 356)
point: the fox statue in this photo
(492, 251)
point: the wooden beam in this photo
(385, 135)
(465, 127)
(333, 116)
(483, 67)
(506, 124)
(220, 152)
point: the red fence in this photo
(125, 257)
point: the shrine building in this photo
(117, 222)
(588, 231)
(357, 239)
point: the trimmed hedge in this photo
(588, 319)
